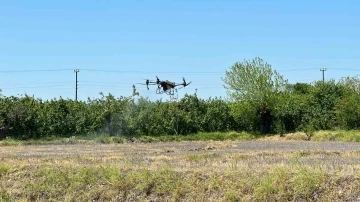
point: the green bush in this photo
(348, 111)
(243, 116)
(321, 105)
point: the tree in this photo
(348, 105)
(351, 83)
(254, 81)
(302, 88)
(348, 111)
(322, 102)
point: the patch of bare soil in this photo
(173, 147)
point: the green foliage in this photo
(322, 102)
(309, 130)
(257, 83)
(289, 111)
(32, 118)
(301, 88)
(261, 101)
(216, 116)
(243, 116)
(348, 112)
(253, 80)
(351, 84)
(318, 106)
(347, 108)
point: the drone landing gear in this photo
(174, 96)
(159, 91)
(167, 92)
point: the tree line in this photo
(260, 101)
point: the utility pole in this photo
(323, 73)
(76, 83)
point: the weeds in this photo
(106, 139)
(4, 168)
(338, 135)
(180, 171)
(111, 174)
(199, 157)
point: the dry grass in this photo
(323, 135)
(297, 136)
(182, 171)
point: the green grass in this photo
(106, 139)
(215, 136)
(100, 183)
(109, 183)
(91, 139)
(337, 135)
(331, 135)
(327, 135)
(4, 169)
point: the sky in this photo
(116, 44)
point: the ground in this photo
(173, 149)
(183, 171)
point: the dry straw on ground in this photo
(182, 171)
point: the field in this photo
(182, 171)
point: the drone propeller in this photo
(184, 83)
(144, 84)
(147, 83)
(157, 80)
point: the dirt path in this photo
(172, 148)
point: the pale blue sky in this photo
(170, 39)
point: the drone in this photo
(165, 86)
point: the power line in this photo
(103, 70)
(41, 83)
(98, 84)
(25, 87)
(153, 72)
(102, 83)
(141, 71)
(345, 69)
(114, 86)
(89, 83)
(174, 72)
(294, 70)
(34, 70)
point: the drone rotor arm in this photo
(157, 80)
